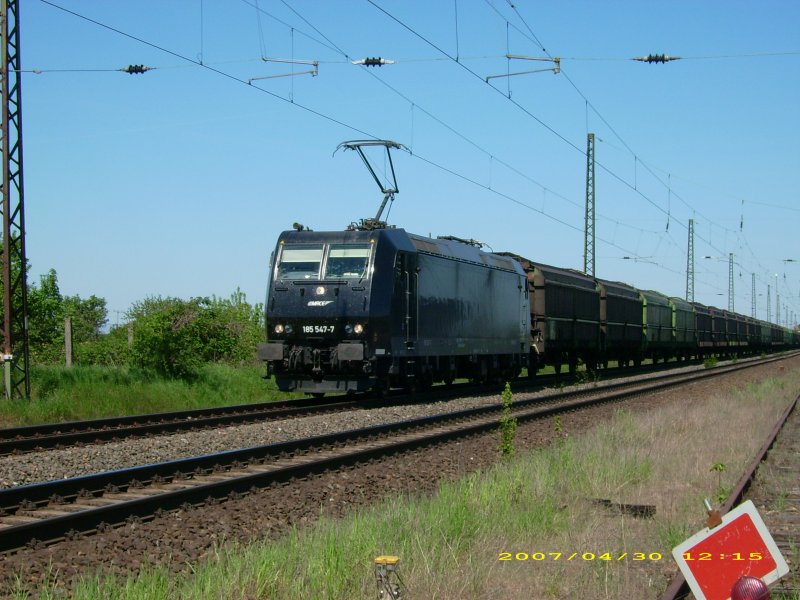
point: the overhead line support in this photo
(589, 219)
(690, 264)
(13, 263)
(730, 282)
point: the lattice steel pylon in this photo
(769, 303)
(690, 264)
(753, 301)
(730, 282)
(14, 334)
(589, 221)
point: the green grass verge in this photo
(84, 392)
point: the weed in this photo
(710, 362)
(671, 534)
(722, 492)
(508, 425)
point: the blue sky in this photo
(177, 182)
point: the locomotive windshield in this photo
(334, 261)
(347, 261)
(300, 262)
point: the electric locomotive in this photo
(379, 307)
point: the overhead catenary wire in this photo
(312, 111)
(518, 105)
(515, 103)
(328, 117)
(209, 68)
(413, 104)
(671, 192)
(260, 11)
(534, 38)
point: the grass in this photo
(84, 392)
(538, 504)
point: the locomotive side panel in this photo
(466, 308)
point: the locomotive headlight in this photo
(358, 328)
(289, 329)
(348, 329)
(278, 328)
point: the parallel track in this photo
(54, 510)
(19, 440)
(783, 524)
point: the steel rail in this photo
(248, 468)
(678, 588)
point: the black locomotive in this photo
(359, 309)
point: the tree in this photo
(88, 316)
(47, 309)
(45, 312)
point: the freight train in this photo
(374, 308)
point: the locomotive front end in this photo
(317, 312)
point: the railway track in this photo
(777, 497)
(55, 510)
(772, 482)
(20, 440)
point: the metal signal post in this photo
(14, 333)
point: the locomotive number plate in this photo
(318, 328)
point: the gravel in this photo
(74, 461)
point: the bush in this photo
(177, 337)
(110, 350)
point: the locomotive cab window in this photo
(300, 262)
(347, 261)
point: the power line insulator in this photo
(657, 58)
(373, 62)
(136, 69)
